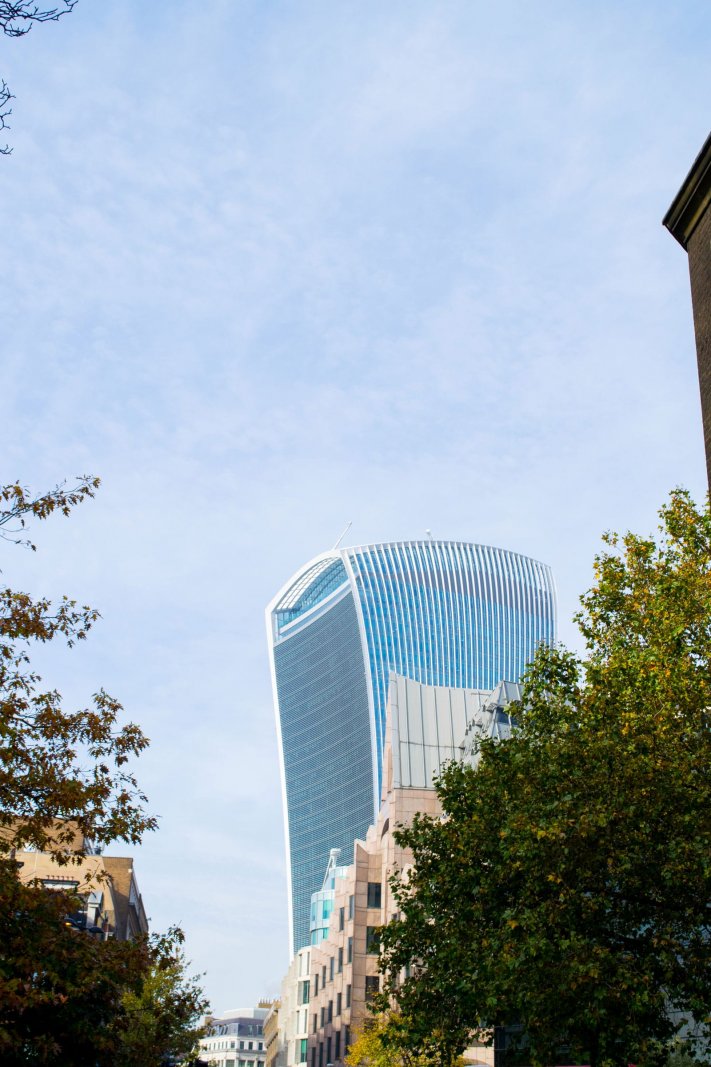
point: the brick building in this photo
(689, 221)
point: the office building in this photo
(295, 997)
(426, 727)
(236, 1038)
(442, 613)
(689, 221)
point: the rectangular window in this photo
(323, 1016)
(304, 1049)
(328, 1050)
(323, 976)
(337, 1050)
(315, 1023)
(339, 1000)
(346, 1039)
(372, 940)
(304, 992)
(341, 920)
(320, 1054)
(350, 950)
(329, 1018)
(316, 985)
(374, 894)
(340, 959)
(351, 906)
(348, 996)
(372, 985)
(331, 966)
(313, 1056)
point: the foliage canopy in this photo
(64, 996)
(567, 888)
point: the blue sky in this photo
(270, 267)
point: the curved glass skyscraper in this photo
(443, 613)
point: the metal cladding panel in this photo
(449, 614)
(326, 741)
(439, 716)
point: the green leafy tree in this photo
(163, 1017)
(385, 1041)
(567, 887)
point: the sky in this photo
(270, 267)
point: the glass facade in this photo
(439, 612)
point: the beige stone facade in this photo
(295, 996)
(110, 902)
(426, 726)
(274, 1036)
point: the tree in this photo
(384, 1041)
(16, 19)
(61, 991)
(567, 888)
(163, 1017)
(59, 771)
(56, 764)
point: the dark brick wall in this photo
(699, 249)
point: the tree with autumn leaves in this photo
(65, 997)
(566, 892)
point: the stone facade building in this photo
(689, 221)
(426, 727)
(236, 1038)
(109, 903)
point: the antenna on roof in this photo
(348, 526)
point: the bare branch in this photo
(16, 18)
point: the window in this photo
(304, 992)
(315, 1023)
(372, 985)
(374, 894)
(346, 1039)
(328, 1050)
(323, 976)
(249, 1045)
(303, 1049)
(339, 999)
(340, 962)
(329, 1018)
(323, 1016)
(241, 1044)
(341, 920)
(316, 986)
(320, 1054)
(348, 996)
(313, 1056)
(372, 940)
(351, 906)
(331, 965)
(337, 1050)
(350, 950)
